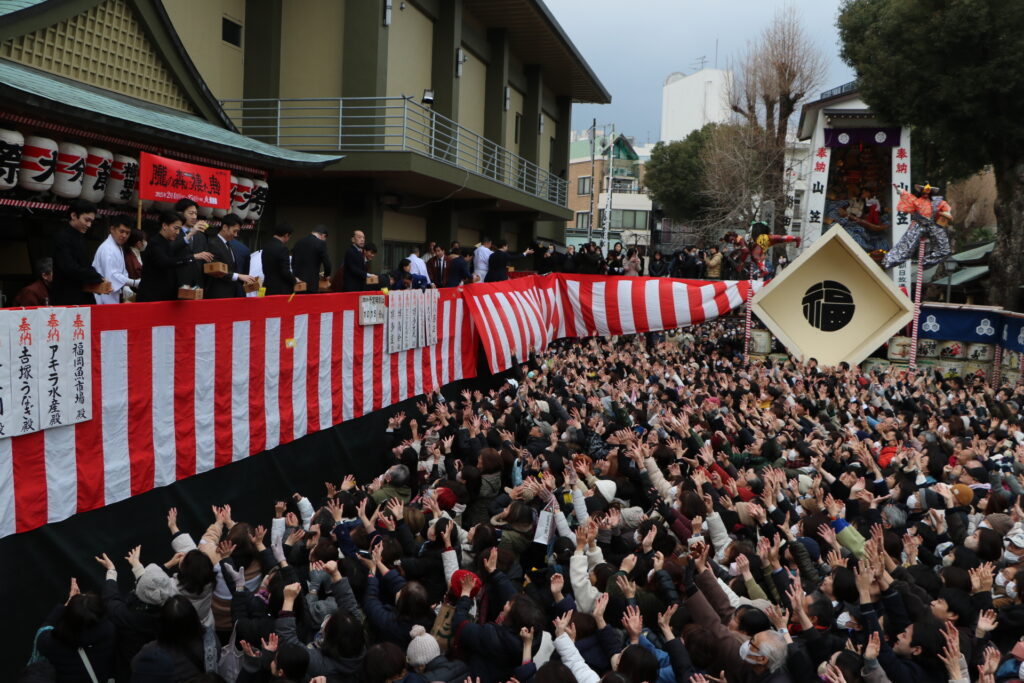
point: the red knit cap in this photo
(446, 499)
(457, 578)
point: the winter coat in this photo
(441, 669)
(478, 510)
(336, 670)
(491, 650)
(98, 643)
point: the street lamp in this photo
(951, 267)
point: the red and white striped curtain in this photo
(180, 388)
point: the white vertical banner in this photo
(55, 370)
(7, 405)
(900, 219)
(26, 335)
(817, 189)
(80, 324)
(410, 319)
(433, 297)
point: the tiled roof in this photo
(32, 84)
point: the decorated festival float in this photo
(871, 237)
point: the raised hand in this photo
(665, 619)
(562, 623)
(633, 622)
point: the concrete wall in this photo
(690, 102)
(472, 92)
(311, 54)
(410, 52)
(199, 27)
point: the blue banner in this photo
(960, 325)
(1013, 333)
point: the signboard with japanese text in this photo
(168, 180)
(372, 310)
(817, 186)
(45, 369)
(901, 220)
(412, 319)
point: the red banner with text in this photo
(168, 180)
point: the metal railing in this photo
(388, 124)
(839, 90)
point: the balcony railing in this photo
(389, 124)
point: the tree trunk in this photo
(1006, 274)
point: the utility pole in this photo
(593, 172)
(608, 202)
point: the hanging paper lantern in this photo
(11, 145)
(220, 213)
(258, 199)
(240, 198)
(124, 178)
(38, 163)
(70, 171)
(98, 163)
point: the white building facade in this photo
(688, 103)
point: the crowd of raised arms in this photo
(640, 510)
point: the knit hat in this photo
(423, 647)
(963, 494)
(152, 665)
(445, 497)
(154, 587)
(999, 522)
(456, 583)
(606, 487)
(813, 549)
(979, 474)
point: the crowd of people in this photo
(637, 510)
(130, 265)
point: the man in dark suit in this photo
(193, 231)
(460, 270)
(355, 264)
(308, 255)
(242, 256)
(223, 286)
(277, 270)
(164, 254)
(437, 266)
(497, 264)
(72, 268)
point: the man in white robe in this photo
(481, 259)
(109, 262)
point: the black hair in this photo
(118, 220)
(282, 229)
(292, 660)
(370, 247)
(752, 621)
(82, 613)
(137, 237)
(80, 207)
(501, 244)
(195, 572)
(229, 220)
(990, 545)
(554, 672)
(343, 636)
(169, 217)
(959, 603)
(638, 664)
(383, 662)
(821, 608)
(183, 204)
(415, 605)
(179, 627)
(44, 265)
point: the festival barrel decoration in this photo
(70, 173)
(11, 145)
(124, 176)
(98, 163)
(38, 163)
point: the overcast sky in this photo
(633, 45)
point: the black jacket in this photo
(98, 643)
(354, 277)
(135, 621)
(459, 273)
(159, 264)
(221, 287)
(191, 273)
(277, 272)
(308, 255)
(497, 265)
(72, 269)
